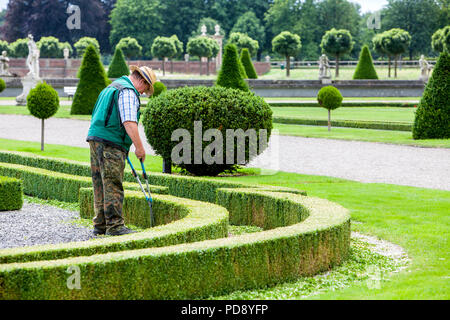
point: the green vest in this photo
(106, 125)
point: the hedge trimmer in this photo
(147, 197)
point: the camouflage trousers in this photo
(107, 166)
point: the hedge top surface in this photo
(323, 215)
(197, 215)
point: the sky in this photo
(366, 5)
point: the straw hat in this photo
(148, 74)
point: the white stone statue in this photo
(217, 29)
(4, 65)
(66, 53)
(425, 69)
(203, 30)
(32, 78)
(324, 67)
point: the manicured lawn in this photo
(387, 114)
(347, 99)
(63, 112)
(370, 135)
(415, 218)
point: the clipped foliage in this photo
(159, 88)
(4, 46)
(118, 66)
(2, 85)
(432, 119)
(446, 39)
(49, 47)
(93, 80)
(436, 41)
(231, 72)
(330, 98)
(288, 45)
(19, 48)
(242, 40)
(43, 101)
(248, 64)
(218, 108)
(130, 47)
(11, 194)
(163, 47)
(82, 44)
(365, 68)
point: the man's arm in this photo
(133, 133)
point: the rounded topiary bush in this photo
(2, 85)
(159, 88)
(223, 109)
(330, 98)
(11, 194)
(43, 103)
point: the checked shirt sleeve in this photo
(128, 104)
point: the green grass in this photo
(415, 218)
(370, 135)
(346, 99)
(63, 112)
(405, 115)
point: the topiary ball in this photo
(159, 88)
(11, 194)
(330, 98)
(217, 108)
(2, 85)
(43, 101)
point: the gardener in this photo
(114, 127)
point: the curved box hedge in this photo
(11, 194)
(197, 269)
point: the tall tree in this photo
(418, 17)
(249, 24)
(396, 42)
(337, 43)
(288, 45)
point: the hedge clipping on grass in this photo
(171, 122)
(11, 194)
(433, 113)
(365, 68)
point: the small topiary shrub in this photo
(43, 103)
(82, 45)
(2, 85)
(330, 98)
(118, 66)
(231, 73)
(19, 48)
(93, 80)
(365, 68)
(159, 88)
(11, 194)
(248, 64)
(432, 119)
(217, 108)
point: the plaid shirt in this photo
(128, 104)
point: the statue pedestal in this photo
(28, 83)
(326, 80)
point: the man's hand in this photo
(133, 133)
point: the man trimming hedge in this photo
(114, 127)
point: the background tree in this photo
(210, 25)
(93, 80)
(43, 103)
(130, 48)
(4, 46)
(246, 61)
(330, 98)
(82, 44)
(419, 18)
(432, 119)
(213, 52)
(180, 50)
(230, 75)
(164, 47)
(337, 43)
(250, 25)
(49, 47)
(118, 66)
(287, 45)
(199, 47)
(436, 40)
(242, 40)
(365, 68)
(396, 41)
(378, 45)
(19, 48)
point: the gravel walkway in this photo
(37, 224)
(353, 160)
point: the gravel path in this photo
(38, 224)
(353, 160)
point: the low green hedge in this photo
(395, 126)
(47, 184)
(195, 270)
(11, 194)
(186, 221)
(367, 104)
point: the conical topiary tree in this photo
(93, 80)
(365, 68)
(118, 66)
(433, 113)
(248, 64)
(230, 75)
